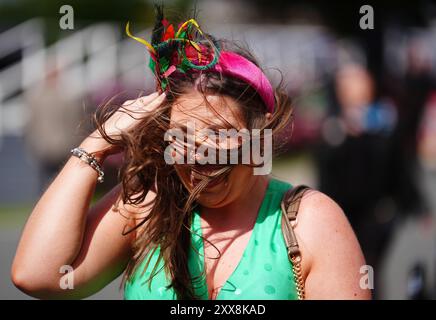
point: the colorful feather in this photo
(172, 51)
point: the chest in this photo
(223, 253)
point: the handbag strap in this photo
(290, 204)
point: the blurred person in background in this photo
(411, 93)
(426, 139)
(422, 263)
(412, 174)
(354, 155)
(52, 126)
(408, 271)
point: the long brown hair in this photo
(166, 226)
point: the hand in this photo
(125, 118)
(131, 112)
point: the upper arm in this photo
(331, 255)
(105, 249)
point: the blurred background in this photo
(364, 99)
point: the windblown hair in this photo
(166, 226)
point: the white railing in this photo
(86, 61)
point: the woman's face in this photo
(218, 112)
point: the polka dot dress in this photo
(263, 272)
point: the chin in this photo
(210, 203)
(215, 197)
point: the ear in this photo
(268, 115)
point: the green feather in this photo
(152, 65)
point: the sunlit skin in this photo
(331, 255)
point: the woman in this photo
(185, 230)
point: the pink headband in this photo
(171, 51)
(234, 65)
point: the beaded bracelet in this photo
(90, 160)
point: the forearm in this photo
(54, 231)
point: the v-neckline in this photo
(249, 245)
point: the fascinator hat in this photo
(173, 52)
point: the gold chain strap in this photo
(298, 274)
(289, 205)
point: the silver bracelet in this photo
(90, 160)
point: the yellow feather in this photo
(191, 21)
(144, 42)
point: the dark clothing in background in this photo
(355, 175)
(411, 94)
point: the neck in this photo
(241, 211)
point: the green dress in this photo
(263, 272)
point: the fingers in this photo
(155, 102)
(141, 100)
(147, 103)
(147, 99)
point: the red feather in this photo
(169, 33)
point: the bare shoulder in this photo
(321, 218)
(331, 252)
